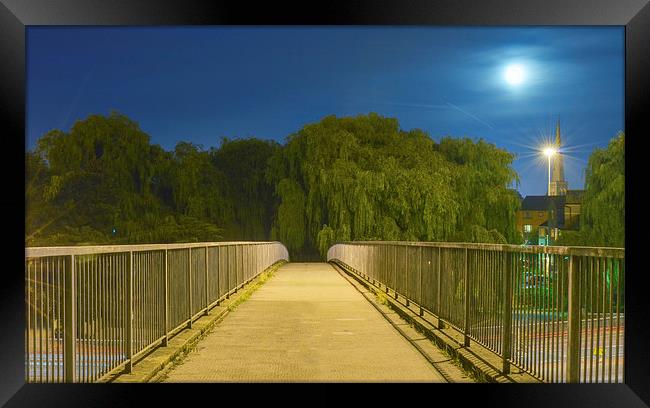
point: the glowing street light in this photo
(549, 152)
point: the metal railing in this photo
(557, 313)
(93, 310)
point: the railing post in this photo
(406, 251)
(227, 272)
(573, 352)
(189, 285)
(207, 298)
(129, 319)
(466, 311)
(237, 283)
(420, 298)
(441, 325)
(507, 312)
(166, 301)
(236, 264)
(70, 319)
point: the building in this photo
(572, 208)
(541, 219)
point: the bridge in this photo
(554, 313)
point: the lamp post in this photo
(549, 152)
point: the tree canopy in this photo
(603, 213)
(602, 222)
(362, 178)
(349, 178)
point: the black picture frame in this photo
(15, 15)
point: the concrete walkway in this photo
(306, 324)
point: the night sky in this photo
(202, 83)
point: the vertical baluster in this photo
(82, 318)
(93, 330)
(601, 345)
(102, 317)
(545, 327)
(29, 331)
(507, 313)
(129, 314)
(466, 311)
(48, 329)
(207, 297)
(554, 308)
(70, 317)
(439, 294)
(492, 280)
(618, 315)
(111, 298)
(560, 285)
(594, 351)
(189, 284)
(573, 356)
(166, 299)
(593, 297)
(536, 326)
(610, 274)
(39, 319)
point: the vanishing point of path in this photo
(305, 324)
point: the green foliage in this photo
(244, 164)
(570, 238)
(289, 227)
(103, 182)
(603, 211)
(351, 178)
(365, 179)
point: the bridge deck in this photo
(307, 323)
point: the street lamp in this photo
(549, 152)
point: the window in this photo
(527, 228)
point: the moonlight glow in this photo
(514, 74)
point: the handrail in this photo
(531, 249)
(34, 252)
(95, 310)
(557, 313)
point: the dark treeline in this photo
(353, 178)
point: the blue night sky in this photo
(202, 83)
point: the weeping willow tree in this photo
(603, 211)
(97, 178)
(103, 182)
(362, 178)
(245, 163)
(351, 178)
(487, 205)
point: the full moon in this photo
(514, 74)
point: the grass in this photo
(473, 372)
(381, 298)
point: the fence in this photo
(92, 310)
(557, 313)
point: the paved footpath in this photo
(305, 324)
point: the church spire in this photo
(558, 185)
